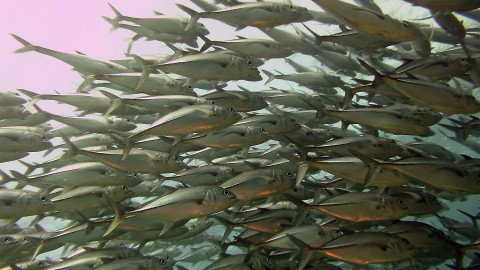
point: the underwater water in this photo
(198, 219)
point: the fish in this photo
(266, 14)
(18, 203)
(259, 183)
(361, 248)
(211, 66)
(17, 140)
(200, 201)
(229, 137)
(11, 99)
(186, 120)
(260, 48)
(80, 63)
(162, 24)
(80, 174)
(368, 21)
(141, 161)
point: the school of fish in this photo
(367, 158)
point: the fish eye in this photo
(137, 252)
(226, 193)
(162, 261)
(40, 264)
(230, 109)
(262, 130)
(43, 198)
(405, 25)
(43, 137)
(290, 175)
(176, 159)
(189, 87)
(249, 63)
(291, 7)
(7, 239)
(295, 189)
(124, 187)
(405, 241)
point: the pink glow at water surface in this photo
(67, 26)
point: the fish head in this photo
(183, 89)
(404, 30)
(403, 247)
(36, 202)
(118, 193)
(202, 101)
(288, 124)
(257, 132)
(157, 263)
(471, 103)
(297, 13)
(203, 222)
(257, 101)
(8, 241)
(200, 29)
(220, 198)
(225, 172)
(122, 124)
(246, 68)
(174, 163)
(226, 115)
(37, 141)
(123, 178)
(475, 174)
(286, 179)
(389, 147)
(427, 117)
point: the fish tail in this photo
(460, 132)
(270, 75)
(116, 102)
(302, 208)
(374, 166)
(72, 149)
(37, 250)
(20, 178)
(115, 21)
(194, 16)
(208, 43)
(347, 99)
(5, 177)
(128, 146)
(30, 167)
(307, 251)
(228, 227)
(27, 45)
(34, 96)
(302, 166)
(120, 216)
(145, 70)
(114, 24)
(369, 68)
(318, 39)
(87, 84)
